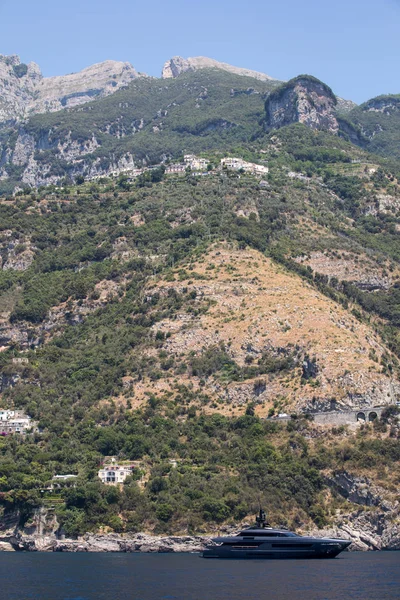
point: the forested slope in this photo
(160, 320)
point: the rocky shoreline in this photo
(373, 526)
(111, 542)
(365, 533)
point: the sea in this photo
(58, 576)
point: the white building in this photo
(175, 169)
(236, 164)
(19, 424)
(14, 421)
(114, 474)
(195, 163)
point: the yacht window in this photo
(297, 546)
(268, 534)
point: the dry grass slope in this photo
(257, 306)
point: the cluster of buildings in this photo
(14, 421)
(190, 161)
(200, 166)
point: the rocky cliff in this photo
(18, 83)
(302, 100)
(177, 65)
(377, 530)
(24, 90)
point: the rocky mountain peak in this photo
(24, 90)
(177, 65)
(96, 81)
(303, 99)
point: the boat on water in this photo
(262, 541)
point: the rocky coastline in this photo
(111, 542)
(367, 530)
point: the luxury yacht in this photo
(262, 541)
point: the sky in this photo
(352, 45)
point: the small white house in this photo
(114, 474)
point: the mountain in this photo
(199, 105)
(379, 123)
(24, 91)
(178, 65)
(149, 122)
(305, 100)
(166, 319)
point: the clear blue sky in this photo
(350, 44)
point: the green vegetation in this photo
(379, 121)
(89, 306)
(151, 119)
(20, 70)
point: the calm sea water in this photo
(361, 576)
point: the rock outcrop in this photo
(305, 100)
(387, 105)
(96, 81)
(177, 65)
(24, 90)
(42, 533)
(18, 83)
(359, 490)
(367, 530)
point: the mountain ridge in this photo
(178, 65)
(24, 91)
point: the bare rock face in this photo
(96, 81)
(24, 90)
(359, 490)
(302, 100)
(367, 530)
(177, 65)
(17, 86)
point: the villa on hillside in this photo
(195, 163)
(176, 168)
(14, 421)
(237, 164)
(114, 474)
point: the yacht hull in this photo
(319, 551)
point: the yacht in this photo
(263, 541)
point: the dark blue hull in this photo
(220, 552)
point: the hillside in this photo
(146, 123)
(162, 319)
(379, 122)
